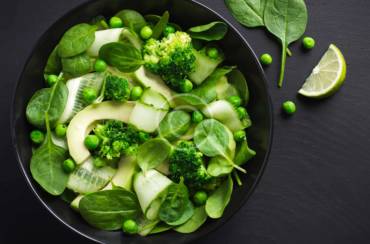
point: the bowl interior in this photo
(186, 13)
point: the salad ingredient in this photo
(159, 228)
(53, 64)
(116, 89)
(212, 52)
(155, 99)
(69, 166)
(289, 107)
(219, 199)
(92, 142)
(200, 198)
(219, 166)
(327, 77)
(169, 30)
(266, 59)
(236, 101)
(147, 159)
(89, 94)
(243, 153)
(174, 125)
(76, 40)
(186, 86)
(61, 130)
(197, 220)
(100, 65)
(213, 31)
(287, 20)
(77, 65)
(136, 93)
(146, 118)
(103, 37)
(51, 80)
(242, 112)
(248, 12)
(115, 22)
(130, 36)
(146, 32)
(108, 209)
(161, 25)
(240, 135)
(308, 43)
(100, 22)
(237, 80)
(130, 227)
(37, 136)
(132, 19)
(197, 117)
(125, 173)
(99, 162)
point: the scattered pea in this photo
(197, 117)
(236, 101)
(115, 22)
(37, 136)
(266, 59)
(130, 226)
(136, 93)
(308, 43)
(146, 32)
(240, 135)
(51, 80)
(100, 65)
(212, 53)
(69, 166)
(186, 86)
(200, 198)
(169, 30)
(89, 94)
(60, 130)
(289, 107)
(92, 142)
(242, 112)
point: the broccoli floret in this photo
(187, 162)
(172, 58)
(117, 139)
(116, 89)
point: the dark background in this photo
(316, 187)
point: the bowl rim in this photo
(15, 146)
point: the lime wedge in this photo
(327, 77)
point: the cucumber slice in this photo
(146, 118)
(87, 178)
(82, 124)
(224, 89)
(155, 99)
(61, 142)
(76, 203)
(124, 175)
(75, 102)
(103, 37)
(204, 66)
(131, 37)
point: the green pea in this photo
(240, 135)
(236, 101)
(69, 166)
(115, 22)
(92, 142)
(213, 53)
(51, 80)
(289, 107)
(197, 117)
(60, 130)
(308, 43)
(242, 112)
(200, 198)
(169, 30)
(99, 163)
(89, 94)
(100, 65)
(266, 59)
(186, 86)
(146, 32)
(136, 93)
(130, 226)
(37, 136)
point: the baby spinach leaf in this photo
(78, 65)
(76, 40)
(237, 79)
(48, 100)
(213, 31)
(124, 56)
(219, 166)
(174, 125)
(161, 25)
(131, 18)
(195, 222)
(219, 199)
(243, 153)
(247, 12)
(153, 153)
(188, 100)
(153, 19)
(54, 64)
(287, 20)
(107, 210)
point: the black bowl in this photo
(187, 13)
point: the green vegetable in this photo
(212, 52)
(155, 99)
(76, 40)
(237, 79)
(266, 59)
(248, 12)
(130, 227)
(169, 30)
(287, 20)
(153, 153)
(219, 166)
(60, 130)
(218, 200)
(161, 25)
(136, 93)
(174, 125)
(242, 112)
(130, 36)
(100, 65)
(48, 100)
(107, 210)
(159, 228)
(125, 57)
(77, 65)
(146, 117)
(37, 136)
(132, 19)
(146, 32)
(53, 64)
(89, 95)
(115, 22)
(200, 198)
(308, 43)
(69, 165)
(213, 31)
(99, 162)
(236, 101)
(195, 222)
(51, 80)
(243, 153)
(197, 117)
(100, 22)
(92, 142)
(116, 89)
(289, 107)
(186, 86)
(239, 135)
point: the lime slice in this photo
(327, 77)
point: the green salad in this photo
(140, 126)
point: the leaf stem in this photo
(289, 52)
(283, 62)
(237, 178)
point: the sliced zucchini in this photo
(224, 89)
(146, 118)
(103, 37)
(124, 175)
(155, 99)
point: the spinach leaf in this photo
(78, 65)
(237, 79)
(248, 12)
(219, 166)
(174, 125)
(243, 153)
(219, 199)
(287, 20)
(213, 31)
(76, 40)
(54, 64)
(161, 25)
(46, 165)
(48, 100)
(124, 56)
(188, 100)
(107, 210)
(195, 222)
(153, 153)
(176, 208)
(153, 19)
(131, 18)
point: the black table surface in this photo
(316, 187)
